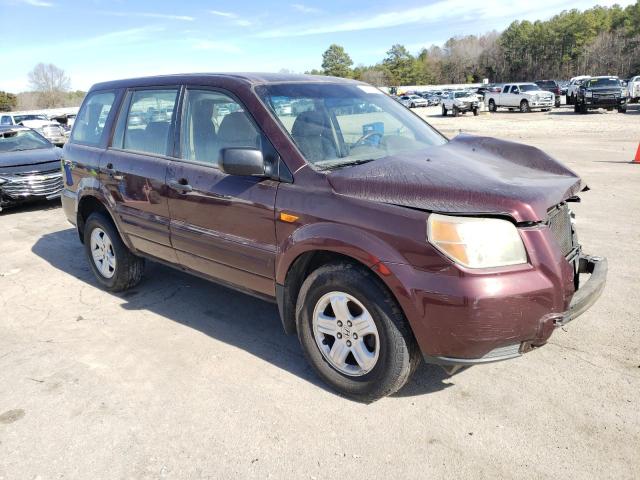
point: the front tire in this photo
(444, 111)
(114, 266)
(492, 105)
(455, 111)
(622, 110)
(475, 112)
(524, 106)
(353, 333)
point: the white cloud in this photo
(37, 3)
(305, 8)
(442, 10)
(225, 47)
(223, 14)
(163, 16)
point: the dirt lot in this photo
(180, 378)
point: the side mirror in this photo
(242, 161)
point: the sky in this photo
(98, 40)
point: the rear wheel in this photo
(114, 266)
(455, 111)
(444, 111)
(492, 105)
(413, 105)
(557, 102)
(524, 106)
(353, 333)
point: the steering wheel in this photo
(366, 137)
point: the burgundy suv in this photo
(381, 241)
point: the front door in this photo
(134, 168)
(221, 225)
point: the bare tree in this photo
(50, 82)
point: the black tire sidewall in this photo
(383, 379)
(120, 279)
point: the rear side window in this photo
(92, 117)
(212, 122)
(5, 120)
(147, 125)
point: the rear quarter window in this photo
(92, 117)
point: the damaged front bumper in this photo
(581, 301)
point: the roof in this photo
(243, 78)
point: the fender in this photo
(92, 187)
(350, 242)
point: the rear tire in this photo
(558, 102)
(114, 266)
(444, 111)
(455, 111)
(391, 354)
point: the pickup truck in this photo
(573, 87)
(633, 89)
(459, 102)
(524, 96)
(601, 92)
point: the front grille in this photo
(33, 184)
(560, 226)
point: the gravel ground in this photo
(181, 378)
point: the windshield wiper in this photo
(348, 164)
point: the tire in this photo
(622, 110)
(576, 108)
(126, 270)
(355, 288)
(455, 111)
(557, 105)
(475, 112)
(492, 105)
(524, 107)
(583, 109)
(444, 111)
(570, 100)
(413, 105)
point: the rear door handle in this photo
(181, 186)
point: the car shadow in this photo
(31, 207)
(217, 311)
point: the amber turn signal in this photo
(287, 217)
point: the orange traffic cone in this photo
(637, 159)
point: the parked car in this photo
(601, 92)
(573, 87)
(52, 131)
(413, 101)
(459, 102)
(564, 85)
(633, 89)
(523, 96)
(29, 167)
(380, 240)
(553, 87)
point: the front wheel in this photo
(444, 111)
(114, 266)
(524, 106)
(557, 105)
(622, 110)
(475, 112)
(353, 333)
(455, 111)
(492, 106)
(413, 105)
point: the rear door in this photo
(134, 168)
(221, 225)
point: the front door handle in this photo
(181, 186)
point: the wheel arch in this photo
(91, 201)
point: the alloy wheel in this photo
(102, 252)
(346, 334)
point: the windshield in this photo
(528, 87)
(22, 118)
(461, 94)
(602, 82)
(335, 125)
(16, 140)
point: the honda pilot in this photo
(381, 241)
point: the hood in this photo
(468, 175)
(37, 123)
(30, 160)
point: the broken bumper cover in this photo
(581, 301)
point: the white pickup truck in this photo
(523, 96)
(633, 89)
(574, 87)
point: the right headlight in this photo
(476, 242)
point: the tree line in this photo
(597, 41)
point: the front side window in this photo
(214, 121)
(335, 125)
(19, 140)
(147, 127)
(92, 117)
